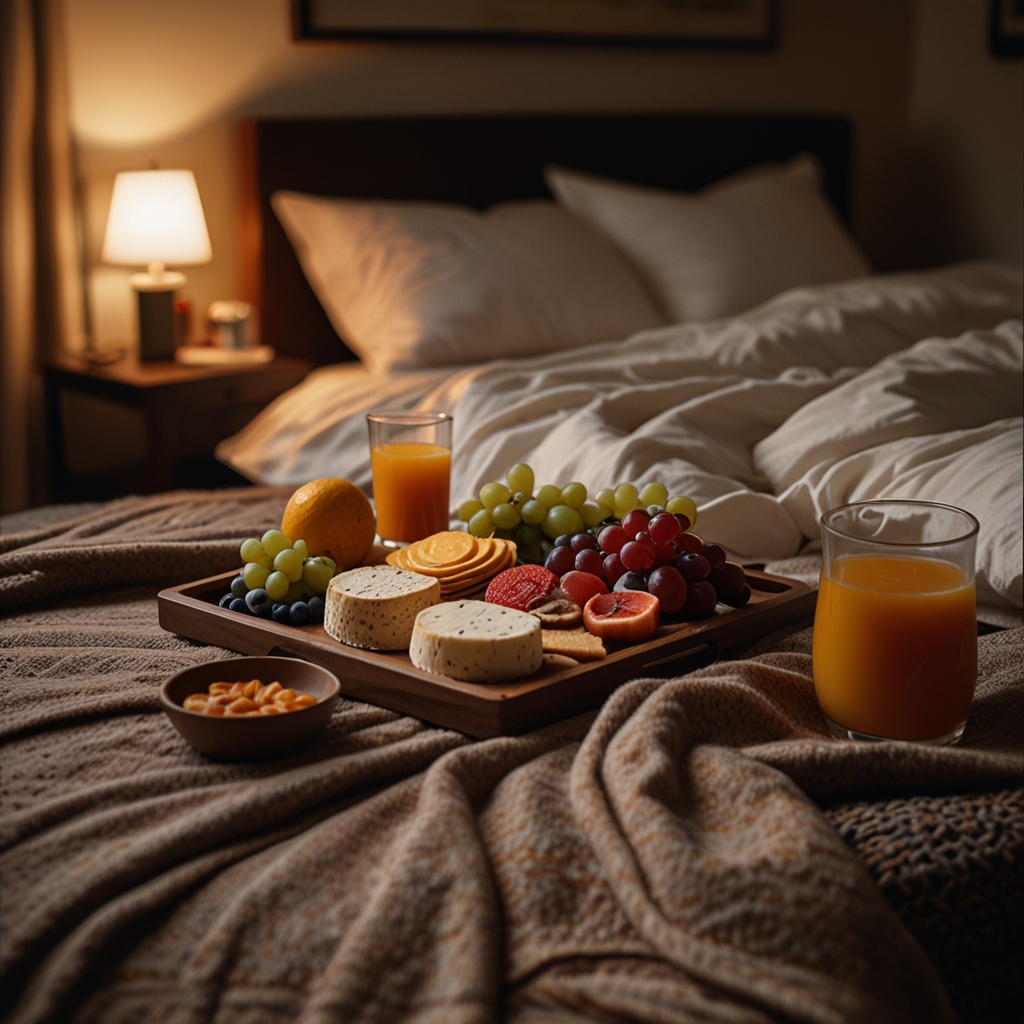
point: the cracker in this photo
(573, 643)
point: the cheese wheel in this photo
(476, 642)
(375, 606)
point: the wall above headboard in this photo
(479, 161)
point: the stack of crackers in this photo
(461, 563)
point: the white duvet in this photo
(898, 386)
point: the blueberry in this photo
(226, 600)
(238, 587)
(259, 603)
(298, 613)
(238, 605)
(281, 612)
(315, 607)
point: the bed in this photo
(698, 849)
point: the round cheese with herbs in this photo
(476, 642)
(375, 606)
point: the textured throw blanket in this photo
(677, 856)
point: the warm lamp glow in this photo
(156, 217)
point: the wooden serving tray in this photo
(390, 680)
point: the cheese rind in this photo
(476, 642)
(375, 606)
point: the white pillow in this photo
(723, 250)
(411, 285)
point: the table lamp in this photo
(156, 218)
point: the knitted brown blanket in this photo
(665, 859)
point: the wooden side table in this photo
(161, 391)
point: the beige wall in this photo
(167, 83)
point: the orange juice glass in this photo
(895, 629)
(411, 458)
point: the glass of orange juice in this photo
(895, 629)
(411, 458)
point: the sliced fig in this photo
(559, 614)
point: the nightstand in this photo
(222, 397)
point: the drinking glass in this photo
(411, 456)
(895, 629)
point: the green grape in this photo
(562, 519)
(317, 573)
(300, 547)
(519, 498)
(591, 513)
(331, 564)
(251, 550)
(625, 499)
(494, 494)
(481, 525)
(469, 508)
(606, 498)
(505, 517)
(533, 512)
(289, 562)
(574, 494)
(683, 506)
(528, 539)
(298, 592)
(549, 495)
(654, 494)
(504, 534)
(255, 575)
(520, 478)
(266, 561)
(274, 541)
(276, 586)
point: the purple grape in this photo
(316, 608)
(238, 605)
(700, 599)
(563, 540)
(298, 613)
(560, 561)
(589, 560)
(715, 554)
(737, 600)
(582, 542)
(613, 569)
(727, 579)
(281, 613)
(692, 567)
(669, 587)
(226, 600)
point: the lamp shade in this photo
(156, 216)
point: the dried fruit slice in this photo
(558, 614)
(624, 616)
(520, 586)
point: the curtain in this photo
(41, 301)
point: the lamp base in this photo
(156, 325)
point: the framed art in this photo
(1007, 28)
(725, 23)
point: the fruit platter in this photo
(537, 609)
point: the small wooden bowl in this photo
(251, 739)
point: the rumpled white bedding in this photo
(897, 386)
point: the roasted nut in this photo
(196, 702)
(283, 696)
(247, 700)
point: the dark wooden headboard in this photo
(478, 161)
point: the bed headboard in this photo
(478, 161)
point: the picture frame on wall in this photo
(700, 23)
(1007, 28)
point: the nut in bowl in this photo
(258, 737)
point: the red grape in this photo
(664, 528)
(633, 556)
(560, 561)
(666, 556)
(700, 599)
(611, 539)
(690, 542)
(714, 554)
(727, 578)
(588, 560)
(582, 541)
(613, 568)
(669, 588)
(684, 523)
(635, 522)
(738, 600)
(648, 543)
(692, 567)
